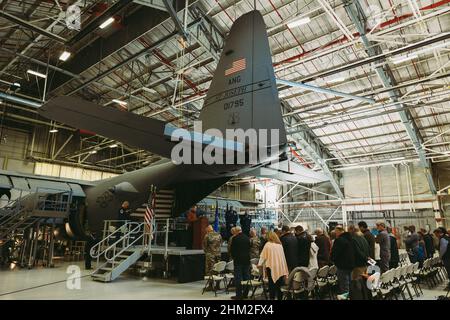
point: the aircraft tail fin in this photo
(243, 92)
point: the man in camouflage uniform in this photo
(255, 244)
(211, 245)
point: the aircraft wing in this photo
(13, 183)
(289, 171)
(126, 127)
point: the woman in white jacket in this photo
(313, 251)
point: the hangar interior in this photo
(364, 94)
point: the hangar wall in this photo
(16, 152)
(388, 184)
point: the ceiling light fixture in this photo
(107, 23)
(336, 79)
(113, 146)
(299, 22)
(64, 56)
(123, 103)
(53, 131)
(398, 158)
(37, 74)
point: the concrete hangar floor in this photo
(55, 284)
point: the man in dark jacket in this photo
(429, 243)
(385, 245)
(324, 244)
(444, 249)
(361, 250)
(290, 247)
(262, 238)
(395, 257)
(303, 246)
(90, 242)
(343, 256)
(240, 252)
(246, 223)
(369, 238)
(412, 244)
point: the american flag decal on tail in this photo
(236, 66)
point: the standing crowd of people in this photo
(350, 249)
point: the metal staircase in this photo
(163, 206)
(24, 212)
(120, 249)
(129, 241)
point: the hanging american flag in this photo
(236, 66)
(150, 209)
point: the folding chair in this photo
(386, 287)
(321, 281)
(215, 277)
(414, 275)
(229, 275)
(288, 289)
(332, 281)
(255, 282)
(403, 280)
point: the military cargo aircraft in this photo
(242, 95)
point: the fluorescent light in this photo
(299, 22)
(64, 56)
(107, 23)
(399, 158)
(16, 84)
(337, 79)
(123, 103)
(113, 145)
(37, 74)
(93, 151)
(53, 131)
(404, 58)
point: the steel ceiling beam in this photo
(97, 21)
(135, 26)
(314, 148)
(130, 59)
(32, 27)
(384, 72)
(324, 90)
(176, 21)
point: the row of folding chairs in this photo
(403, 258)
(396, 282)
(223, 273)
(314, 285)
(432, 272)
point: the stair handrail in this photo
(15, 211)
(126, 236)
(99, 244)
(60, 205)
